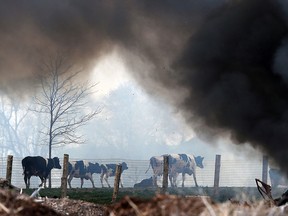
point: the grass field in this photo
(104, 195)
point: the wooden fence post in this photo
(217, 173)
(64, 176)
(116, 182)
(165, 173)
(9, 168)
(265, 169)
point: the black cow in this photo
(145, 183)
(108, 170)
(38, 166)
(82, 169)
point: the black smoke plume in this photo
(223, 63)
(235, 86)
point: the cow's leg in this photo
(155, 178)
(175, 180)
(183, 179)
(101, 179)
(89, 176)
(70, 179)
(69, 182)
(155, 181)
(171, 180)
(43, 182)
(82, 182)
(92, 181)
(27, 181)
(194, 176)
(121, 183)
(106, 180)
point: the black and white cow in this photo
(83, 170)
(145, 183)
(185, 164)
(108, 170)
(156, 163)
(38, 166)
(178, 163)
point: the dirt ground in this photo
(75, 207)
(12, 203)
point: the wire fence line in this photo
(232, 173)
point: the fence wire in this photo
(232, 173)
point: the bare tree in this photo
(17, 126)
(63, 101)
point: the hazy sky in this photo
(220, 64)
(111, 75)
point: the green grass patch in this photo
(104, 195)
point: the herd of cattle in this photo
(178, 164)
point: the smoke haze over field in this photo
(223, 63)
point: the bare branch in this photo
(63, 101)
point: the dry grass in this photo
(170, 205)
(160, 205)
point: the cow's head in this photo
(56, 163)
(199, 161)
(124, 166)
(94, 168)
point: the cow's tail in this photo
(148, 168)
(23, 170)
